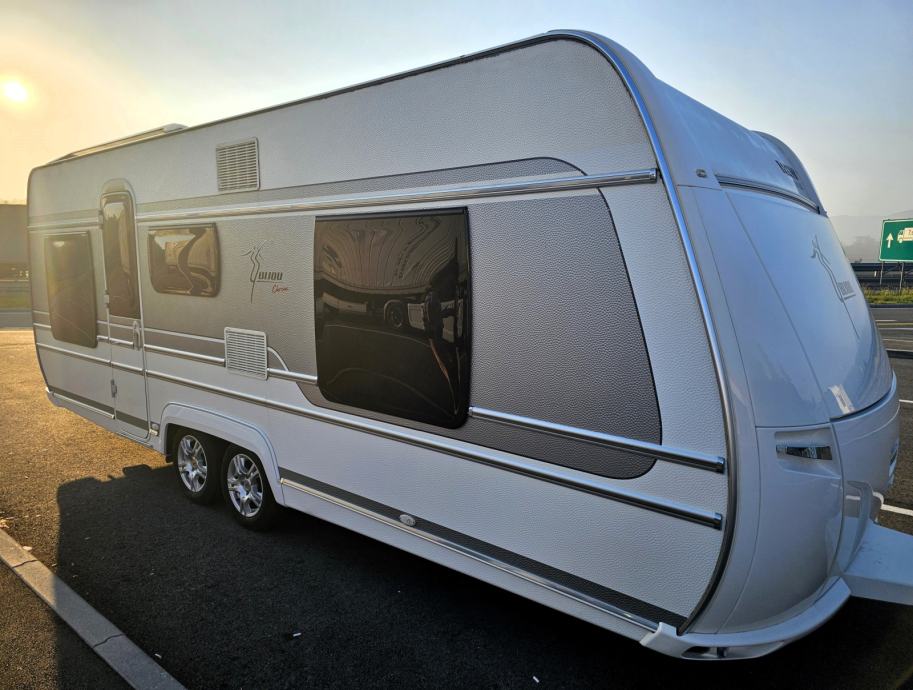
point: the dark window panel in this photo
(71, 288)
(119, 235)
(392, 314)
(185, 260)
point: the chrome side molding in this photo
(647, 449)
(475, 191)
(550, 473)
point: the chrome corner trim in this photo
(555, 184)
(184, 354)
(73, 353)
(477, 556)
(646, 449)
(598, 43)
(741, 183)
(77, 403)
(553, 474)
(291, 375)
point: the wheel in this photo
(246, 489)
(196, 459)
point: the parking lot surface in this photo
(311, 604)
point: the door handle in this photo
(137, 344)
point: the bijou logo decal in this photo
(259, 274)
(843, 288)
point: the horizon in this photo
(829, 80)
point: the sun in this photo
(15, 91)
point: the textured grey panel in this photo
(556, 335)
(429, 178)
(282, 308)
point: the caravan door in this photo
(125, 326)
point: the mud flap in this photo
(883, 566)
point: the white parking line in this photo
(908, 402)
(895, 509)
(885, 320)
(102, 636)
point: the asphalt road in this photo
(896, 327)
(219, 606)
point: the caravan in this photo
(530, 313)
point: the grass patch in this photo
(15, 300)
(888, 295)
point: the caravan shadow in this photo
(310, 603)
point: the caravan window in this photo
(71, 288)
(392, 314)
(120, 255)
(185, 260)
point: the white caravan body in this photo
(530, 313)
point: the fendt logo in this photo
(843, 288)
(260, 275)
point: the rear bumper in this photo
(882, 568)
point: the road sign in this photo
(896, 240)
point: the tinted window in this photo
(71, 288)
(185, 261)
(120, 255)
(392, 314)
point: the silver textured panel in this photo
(238, 166)
(245, 352)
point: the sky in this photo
(832, 79)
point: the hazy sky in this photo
(833, 79)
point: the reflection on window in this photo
(71, 288)
(392, 314)
(120, 255)
(185, 260)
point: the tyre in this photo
(246, 489)
(197, 459)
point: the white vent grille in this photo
(245, 352)
(238, 166)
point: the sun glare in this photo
(15, 91)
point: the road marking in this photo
(908, 402)
(885, 320)
(895, 509)
(102, 636)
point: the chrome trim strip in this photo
(647, 449)
(598, 43)
(72, 353)
(118, 341)
(45, 326)
(477, 556)
(291, 375)
(128, 367)
(90, 223)
(741, 183)
(184, 354)
(557, 184)
(103, 413)
(553, 474)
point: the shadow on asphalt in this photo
(221, 606)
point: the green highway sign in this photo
(896, 240)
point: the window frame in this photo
(458, 376)
(152, 249)
(133, 310)
(51, 276)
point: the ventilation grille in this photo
(238, 166)
(245, 352)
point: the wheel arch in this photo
(232, 431)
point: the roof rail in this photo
(140, 136)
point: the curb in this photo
(102, 636)
(900, 354)
(903, 305)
